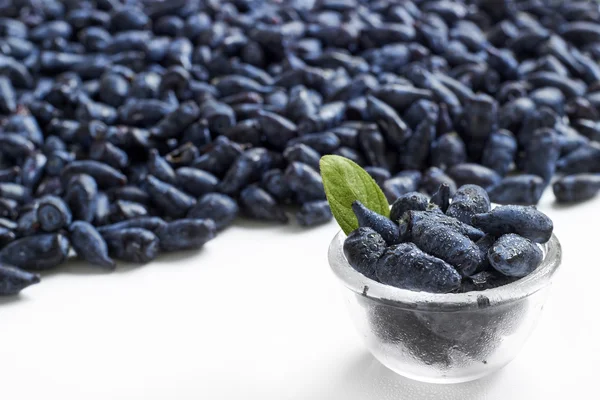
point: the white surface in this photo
(257, 314)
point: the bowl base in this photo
(442, 380)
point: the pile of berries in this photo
(126, 124)
(442, 246)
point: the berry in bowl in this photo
(441, 289)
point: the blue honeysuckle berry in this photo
(405, 266)
(362, 248)
(411, 201)
(514, 255)
(13, 280)
(526, 221)
(388, 230)
(578, 187)
(468, 201)
(89, 244)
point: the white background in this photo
(257, 314)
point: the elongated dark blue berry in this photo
(372, 144)
(378, 174)
(183, 155)
(470, 173)
(328, 116)
(578, 187)
(219, 115)
(514, 255)
(15, 145)
(304, 154)
(57, 160)
(37, 252)
(130, 193)
(398, 186)
(433, 177)
(274, 182)
(259, 204)
(522, 189)
(362, 249)
(33, 170)
(195, 181)
(176, 121)
(526, 221)
(219, 156)
(132, 244)
(468, 201)
(14, 191)
(109, 153)
(388, 230)
(13, 280)
(407, 267)
(89, 245)
(221, 208)
(305, 182)
(390, 124)
(170, 200)
(247, 167)
(581, 160)
(448, 244)
(53, 213)
(81, 197)
(416, 150)
(186, 234)
(500, 151)
(124, 210)
(542, 154)
(409, 201)
(105, 175)
(160, 168)
(28, 223)
(314, 213)
(414, 217)
(277, 130)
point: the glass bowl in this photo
(445, 338)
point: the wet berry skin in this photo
(468, 201)
(514, 255)
(526, 221)
(362, 248)
(444, 242)
(407, 267)
(410, 201)
(388, 230)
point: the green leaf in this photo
(345, 181)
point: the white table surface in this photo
(257, 314)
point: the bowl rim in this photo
(445, 302)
